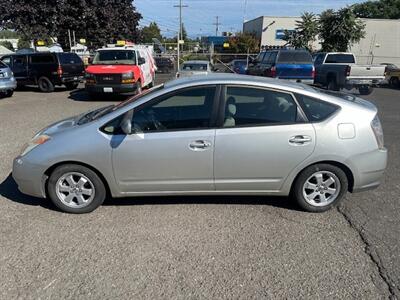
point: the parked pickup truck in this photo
(294, 65)
(339, 70)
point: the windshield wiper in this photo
(92, 115)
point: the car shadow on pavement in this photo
(280, 202)
(9, 190)
(82, 95)
(32, 88)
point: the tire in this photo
(394, 82)
(365, 90)
(332, 85)
(75, 189)
(45, 85)
(138, 88)
(71, 85)
(9, 93)
(151, 84)
(319, 195)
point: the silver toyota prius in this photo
(210, 135)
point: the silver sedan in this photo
(212, 135)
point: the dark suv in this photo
(294, 65)
(46, 69)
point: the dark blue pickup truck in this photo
(295, 65)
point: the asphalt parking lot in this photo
(193, 247)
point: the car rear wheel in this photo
(332, 85)
(71, 85)
(320, 187)
(365, 90)
(45, 85)
(75, 189)
(9, 93)
(394, 82)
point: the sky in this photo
(200, 15)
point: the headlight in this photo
(378, 131)
(36, 141)
(128, 75)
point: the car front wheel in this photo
(76, 189)
(320, 187)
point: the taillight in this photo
(348, 70)
(273, 72)
(313, 72)
(378, 131)
(59, 71)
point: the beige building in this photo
(380, 44)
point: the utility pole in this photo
(217, 23)
(180, 32)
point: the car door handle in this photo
(300, 140)
(199, 145)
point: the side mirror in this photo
(141, 61)
(126, 123)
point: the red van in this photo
(120, 70)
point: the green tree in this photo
(8, 34)
(243, 42)
(24, 43)
(7, 45)
(340, 29)
(98, 21)
(382, 9)
(305, 33)
(150, 32)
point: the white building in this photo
(380, 44)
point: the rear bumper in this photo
(125, 89)
(370, 169)
(7, 84)
(30, 178)
(363, 81)
(305, 81)
(72, 79)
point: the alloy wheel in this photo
(321, 188)
(75, 190)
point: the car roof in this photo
(194, 62)
(227, 78)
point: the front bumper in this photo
(30, 178)
(124, 89)
(72, 79)
(7, 84)
(370, 169)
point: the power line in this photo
(217, 23)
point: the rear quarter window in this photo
(69, 58)
(42, 59)
(3, 65)
(316, 110)
(295, 57)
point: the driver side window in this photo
(183, 110)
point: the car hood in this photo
(60, 126)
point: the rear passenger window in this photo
(69, 58)
(316, 110)
(254, 107)
(42, 59)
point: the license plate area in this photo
(108, 90)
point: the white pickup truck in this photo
(337, 70)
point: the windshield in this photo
(100, 112)
(115, 57)
(2, 65)
(194, 67)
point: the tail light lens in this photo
(378, 131)
(348, 70)
(273, 72)
(313, 72)
(59, 71)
